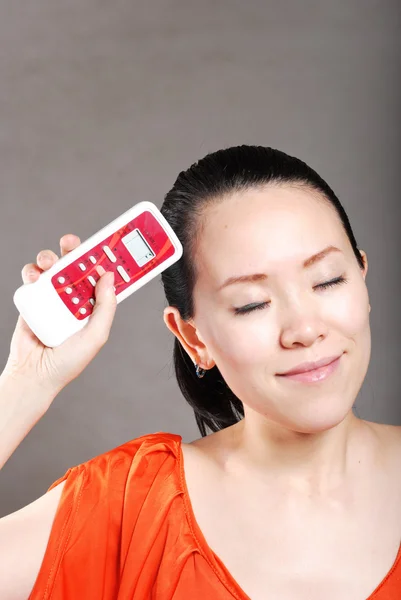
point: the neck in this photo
(313, 464)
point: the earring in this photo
(200, 372)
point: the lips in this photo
(311, 366)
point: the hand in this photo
(54, 368)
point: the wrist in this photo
(32, 392)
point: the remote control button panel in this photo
(131, 252)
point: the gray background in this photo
(103, 103)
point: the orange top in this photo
(125, 530)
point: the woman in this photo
(291, 497)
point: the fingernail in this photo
(100, 270)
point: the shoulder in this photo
(158, 442)
(97, 493)
(205, 459)
(110, 504)
(389, 436)
(117, 462)
(389, 445)
(393, 435)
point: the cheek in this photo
(350, 311)
(242, 340)
(354, 325)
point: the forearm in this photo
(22, 404)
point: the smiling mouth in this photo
(312, 366)
(315, 375)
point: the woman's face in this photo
(272, 232)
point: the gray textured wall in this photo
(103, 103)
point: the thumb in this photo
(100, 322)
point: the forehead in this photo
(266, 230)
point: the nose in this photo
(303, 328)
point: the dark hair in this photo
(206, 182)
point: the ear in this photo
(365, 269)
(189, 337)
(365, 260)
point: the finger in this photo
(30, 273)
(97, 329)
(46, 259)
(68, 242)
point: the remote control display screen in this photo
(138, 248)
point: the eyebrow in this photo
(309, 262)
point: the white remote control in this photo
(137, 246)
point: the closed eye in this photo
(243, 310)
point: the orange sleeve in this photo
(93, 527)
(85, 534)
